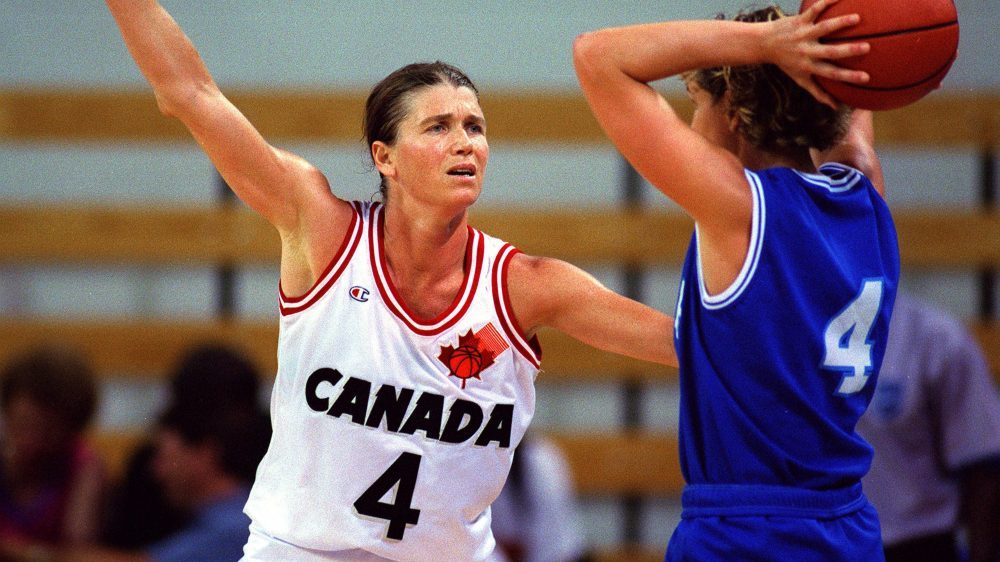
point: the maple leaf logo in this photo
(475, 353)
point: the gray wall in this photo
(351, 44)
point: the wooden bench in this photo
(945, 118)
(75, 235)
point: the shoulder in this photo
(533, 285)
(545, 275)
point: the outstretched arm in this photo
(285, 189)
(547, 292)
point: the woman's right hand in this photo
(794, 44)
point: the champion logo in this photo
(359, 294)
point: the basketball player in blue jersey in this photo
(789, 281)
(407, 351)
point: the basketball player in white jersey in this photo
(407, 350)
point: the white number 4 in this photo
(846, 338)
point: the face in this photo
(180, 467)
(710, 118)
(34, 434)
(440, 154)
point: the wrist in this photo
(763, 41)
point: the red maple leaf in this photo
(468, 359)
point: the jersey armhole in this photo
(835, 177)
(527, 347)
(291, 305)
(736, 288)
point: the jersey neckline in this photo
(474, 248)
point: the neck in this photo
(422, 245)
(757, 159)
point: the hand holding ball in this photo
(913, 45)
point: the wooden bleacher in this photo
(74, 235)
(626, 463)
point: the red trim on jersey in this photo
(290, 305)
(474, 248)
(528, 347)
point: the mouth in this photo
(462, 170)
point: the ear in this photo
(384, 158)
(734, 122)
(734, 118)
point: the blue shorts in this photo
(773, 523)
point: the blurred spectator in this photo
(535, 517)
(206, 453)
(934, 422)
(206, 377)
(52, 483)
(206, 460)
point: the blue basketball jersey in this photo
(777, 369)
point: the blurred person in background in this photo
(535, 517)
(52, 483)
(205, 460)
(934, 422)
(206, 376)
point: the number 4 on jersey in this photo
(846, 338)
(401, 475)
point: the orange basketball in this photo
(913, 45)
(465, 362)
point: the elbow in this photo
(582, 45)
(587, 52)
(165, 105)
(179, 100)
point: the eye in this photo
(476, 128)
(437, 128)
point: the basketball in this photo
(913, 45)
(465, 362)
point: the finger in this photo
(816, 9)
(831, 25)
(840, 51)
(834, 72)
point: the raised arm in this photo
(614, 65)
(285, 189)
(547, 292)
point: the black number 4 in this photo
(402, 475)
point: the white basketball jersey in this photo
(393, 434)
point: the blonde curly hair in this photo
(774, 113)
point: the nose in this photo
(463, 142)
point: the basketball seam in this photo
(888, 33)
(929, 77)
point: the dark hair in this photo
(57, 378)
(241, 436)
(775, 114)
(386, 106)
(212, 374)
